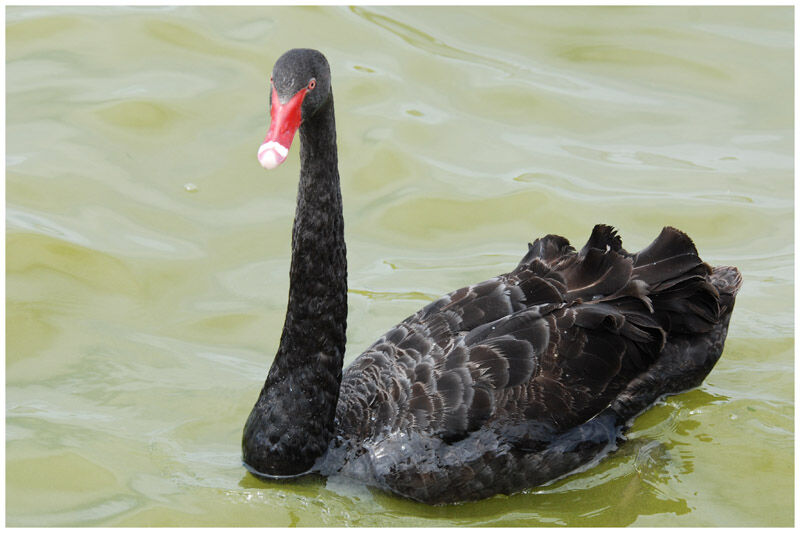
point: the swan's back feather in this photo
(550, 344)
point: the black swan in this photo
(494, 388)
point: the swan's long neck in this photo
(292, 422)
(317, 312)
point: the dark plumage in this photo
(493, 388)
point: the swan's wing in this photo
(562, 363)
(553, 340)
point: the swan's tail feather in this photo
(687, 358)
(670, 242)
(727, 280)
(547, 249)
(603, 238)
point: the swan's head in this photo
(300, 86)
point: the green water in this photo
(147, 251)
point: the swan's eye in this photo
(312, 84)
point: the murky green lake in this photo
(147, 252)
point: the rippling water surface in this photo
(148, 253)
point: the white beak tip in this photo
(271, 154)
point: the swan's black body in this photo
(493, 388)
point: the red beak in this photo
(285, 119)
